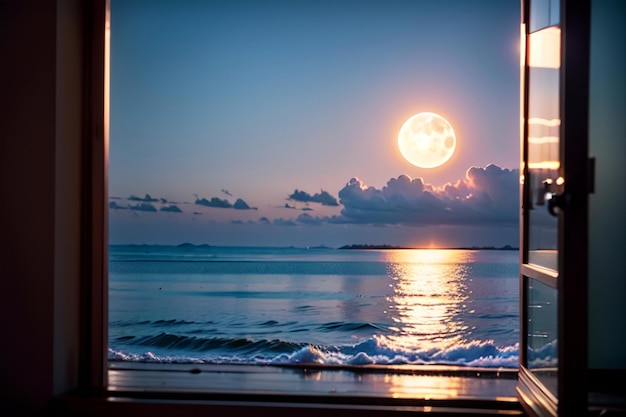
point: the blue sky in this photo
(276, 122)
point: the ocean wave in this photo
(156, 323)
(242, 267)
(339, 326)
(168, 348)
(545, 356)
(202, 344)
(172, 322)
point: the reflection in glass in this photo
(544, 13)
(542, 332)
(543, 143)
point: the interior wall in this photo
(40, 187)
(607, 222)
(27, 154)
(69, 130)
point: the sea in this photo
(318, 305)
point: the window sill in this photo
(157, 389)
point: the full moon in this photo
(427, 140)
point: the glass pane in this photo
(555, 15)
(544, 13)
(542, 332)
(543, 143)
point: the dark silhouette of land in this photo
(360, 246)
(369, 246)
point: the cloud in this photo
(214, 202)
(113, 205)
(171, 209)
(143, 207)
(147, 198)
(306, 218)
(486, 195)
(242, 205)
(284, 222)
(219, 203)
(324, 198)
(289, 206)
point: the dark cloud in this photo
(213, 202)
(147, 198)
(284, 222)
(242, 205)
(486, 195)
(219, 203)
(113, 205)
(306, 218)
(171, 209)
(289, 206)
(143, 207)
(324, 198)
(244, 222)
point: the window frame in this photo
(95, 171)
(94, 392)
(569, 279)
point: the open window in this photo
(411, 384)
(57, 305)
(556, 180)
(554, 251)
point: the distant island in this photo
(366, 246)
(369, 246)
(191, 245)
(357, 246)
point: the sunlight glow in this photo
(522, 66)
(107, 82)
(544, 122)
(545, 48)
(426, 387)
(543, 140)
(522, 46)
(551, 165)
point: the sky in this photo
(275, 123)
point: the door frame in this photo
(571, 279)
